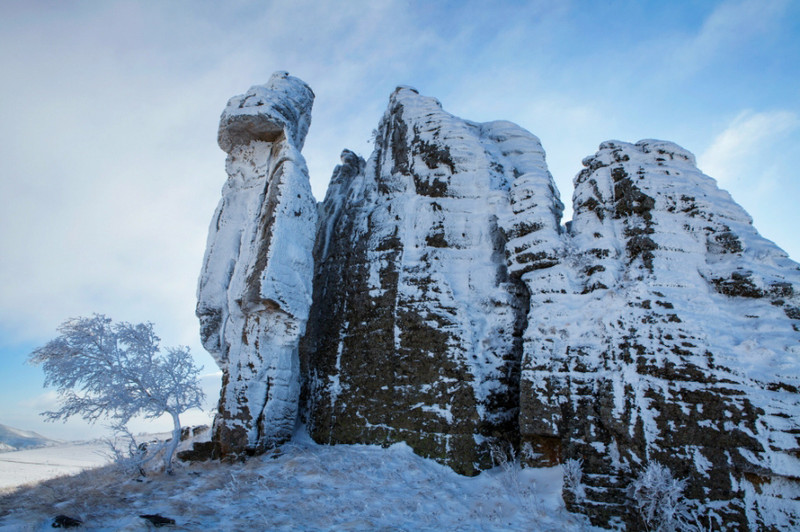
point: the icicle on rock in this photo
(255, 287)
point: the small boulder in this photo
(65, 521)
(200, 452)
(158, 520)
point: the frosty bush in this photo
(658, 497)
(517, 486)
(116, 371)
(527, 452)
(573, 478)
(129, 455)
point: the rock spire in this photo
(255, 287)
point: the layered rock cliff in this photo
(447, 307)
(674, 339)
(255, 288)
(416, 327)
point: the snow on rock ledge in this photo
(255, 286)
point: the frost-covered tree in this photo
(117, 371)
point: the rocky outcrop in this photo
(255, 287)
(417, 319)
(672, 341)
(447, 307)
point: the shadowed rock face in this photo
(447, 307)
(255, 286)
(670, 342)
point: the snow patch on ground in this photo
(35, 465)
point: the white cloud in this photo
(40, 403)
(730, 25)
(739, 151)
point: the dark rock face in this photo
(415, 333)
(669, 343)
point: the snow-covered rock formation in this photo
(672, 338)
(447, 307)
(417, 319)
(255, 287)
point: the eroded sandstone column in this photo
(255, 287)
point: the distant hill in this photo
(12, 439)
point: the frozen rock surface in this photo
(448, 308)
(671, 335)
(255, 287)
(416, 327)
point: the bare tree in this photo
(116, 370)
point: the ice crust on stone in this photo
(255, 287)
(670, 338)
(282, 106)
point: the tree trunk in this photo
(176, 438)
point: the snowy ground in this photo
(35, 465)
(305, 487)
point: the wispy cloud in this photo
(743, 147)
(730, 25)
(42, 402)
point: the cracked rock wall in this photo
(672, 338)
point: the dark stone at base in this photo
(200, 452)
(158, 520)
(64, 521)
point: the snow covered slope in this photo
(12, 439)
(304, 487)
(255, 287)
(35, 465)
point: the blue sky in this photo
(109, 169)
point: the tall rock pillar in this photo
(255, 288)
(417, 321)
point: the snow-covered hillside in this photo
(13, 439)
(35, 465)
